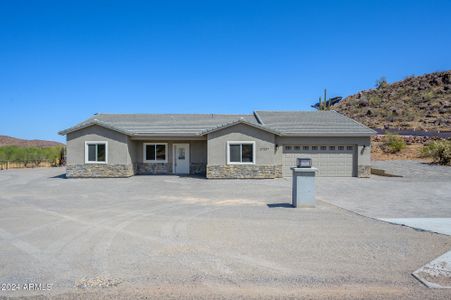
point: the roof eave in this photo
(329, 134)
(92, 123)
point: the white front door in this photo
(181, 158)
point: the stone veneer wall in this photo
(99, 170)
(244, 171)
(153, 168)
(363, 171)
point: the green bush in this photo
(31, 154)
(393, 143)
(439, 151)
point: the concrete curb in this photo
(437, 273)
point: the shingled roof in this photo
(290, 123)
(161, 124)
(312, 123)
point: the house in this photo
(264, 144)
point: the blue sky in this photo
(62, 61)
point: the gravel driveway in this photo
(169, 236)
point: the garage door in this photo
(331, 160)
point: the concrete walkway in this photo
(438, 225)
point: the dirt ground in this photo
(171, 237)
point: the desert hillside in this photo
(420, 102)
(11, 141)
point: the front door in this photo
(181, 158)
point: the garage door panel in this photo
(329, 162)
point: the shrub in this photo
(439, 151)
(381, 83)
(31, 154)
(374, 100)
(393, 143)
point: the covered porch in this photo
(163, 155)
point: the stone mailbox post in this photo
(303, 187)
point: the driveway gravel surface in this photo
(170, 237)
(423, 192)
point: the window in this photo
(156, 153)
(332, 148)
(341, 148)
(297, 148)
(96, 152)
(323, 148)
(240, 152)
(288, 148)
(306, 148)
(314, 148)
(350, 148)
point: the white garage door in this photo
(331, 160)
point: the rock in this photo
(363, 102)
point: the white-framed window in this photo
(155, 152)
(241, 152)
(341, 148)
(287, 148)
(323, 148)
(96, 152)
(297, 148)
(305, 148)
(332, 148)
(349, 147)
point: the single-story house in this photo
(264, 144)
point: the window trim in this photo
(254, 158)
(87, 161)
(155, 161)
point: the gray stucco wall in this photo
(265, 165)
(362, 163)
(264, 142)
(119, 162)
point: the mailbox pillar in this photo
(303, 188)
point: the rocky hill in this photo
(420, 102)
(11, 141)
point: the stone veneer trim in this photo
(364, 171)
(244, 171)
(98, 170)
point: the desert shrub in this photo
(393, 143)
(374, 100)
(381, 83)
(439, 151)
(30, 154)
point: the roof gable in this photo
(92, 122)
(240, 121)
